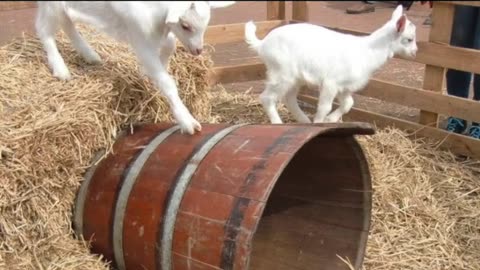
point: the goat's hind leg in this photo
(79, 43)
(325, 101)
(346, 102)
(291, 103)
(46, 25)
(269, 98)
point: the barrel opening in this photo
(318, 211)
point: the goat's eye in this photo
(410, 40)
(186, 27)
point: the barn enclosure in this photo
(418, 211)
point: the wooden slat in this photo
(237, 73)
(442, 18)
(423, 99)
(338, 29)
(456, 143)
(463, 3)
(300, 10)
(446, 56)
(276, 10)
(14, 5)
(227, 33)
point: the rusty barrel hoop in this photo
(79, 203)
(82, 194)
(123, 189)
(180, 189)
(125, 192)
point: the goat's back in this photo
(310, 52)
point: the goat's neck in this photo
(159, 17)
(379, 47)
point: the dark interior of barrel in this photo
(318, 211)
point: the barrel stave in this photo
(145, 213)
(104, 187)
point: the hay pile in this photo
(426, 212)
(426, 204)
(50, 129)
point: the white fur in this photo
(336, 64)
(146, 26)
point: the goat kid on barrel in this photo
(146, 26)
(336, 64)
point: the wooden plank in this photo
(237, 73)
(276, 10)
(300, 11)
(463, 3)
(227, 33)
(423, 99)
(15, 5)
(456, 143)
(451, 56)
(442, 16)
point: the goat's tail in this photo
(250, 36)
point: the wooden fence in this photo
(436, 53)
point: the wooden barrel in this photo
(269, 197)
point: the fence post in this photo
(300, 13)
(276, 10)
(440, 32)
(300, 10)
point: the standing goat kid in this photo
(336, 64)
(146, 26)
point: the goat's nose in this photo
(199, 51)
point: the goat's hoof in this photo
(197, 126)
(63, 75)
(93, 58)
(330, 120)
(190, 127)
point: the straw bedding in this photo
(50, 129)
(426, 203)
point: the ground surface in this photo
(330, 13)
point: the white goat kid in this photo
(146, 26)
(336, 64)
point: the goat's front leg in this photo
(291, 102)
(79, 43)
(325, 102)
(346, 103)
(158, 73)
(269, 98)
(46, 25)
(167, 49)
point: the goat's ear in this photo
(397, 12)
(401, 23)
(220, 4)
(173, 16)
